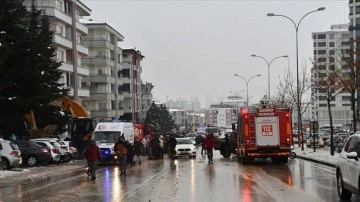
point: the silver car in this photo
(10, 155)
(55, 153)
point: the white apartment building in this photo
(146, 99)
(65, 22)
(131, 88)
(104, 62)
(329, 50)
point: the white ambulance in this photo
(107, 133)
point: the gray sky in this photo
(193, 48)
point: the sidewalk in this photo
(319, 156)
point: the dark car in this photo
(32, 153)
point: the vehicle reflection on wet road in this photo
(190, 180)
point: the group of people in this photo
(126, 152)
(154, 146)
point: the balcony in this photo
(82, 28)
(82, 49)
(100, 78)
(82, 92)
(63, 41)
(102, 96)
(97, 43)
(98, 60)
(126, 94)
(103, 113)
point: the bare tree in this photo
(286, 93)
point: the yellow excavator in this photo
(82, 125)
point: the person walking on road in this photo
(209, 145)
(121, 151)
(161, 144)
(92, 154)
(172, 145)
(137, 149)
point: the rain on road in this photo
(190, 180)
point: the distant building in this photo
(146, 99)
(330, 49)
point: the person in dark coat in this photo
(138, 149)
(172, 144)
(209, 145)
(121, 152)
(155, 145)
(93, 154)
(130, 153)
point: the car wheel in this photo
(32, 161)
(342, 192)
(67, 157)
(5, 164)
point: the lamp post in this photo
(297, 64)
(247, 81)
(268, 65)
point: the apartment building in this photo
(146, 99)
(131, 88)
(64, 16)
(330, 49)
(104, 62)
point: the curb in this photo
(316, 161)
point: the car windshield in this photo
(191, 135)
(183, 141)
(107, 137)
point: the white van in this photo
(107, 133)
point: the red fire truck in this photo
(263, 132)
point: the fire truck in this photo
(263, 131)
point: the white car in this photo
(348, 168)
(65, 155)
(10, 155)
(72, 150)
(319, 141)
(184, 147)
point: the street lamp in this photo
(297, 64)
(268, 65)
(247, 81)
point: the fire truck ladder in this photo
(252, 135)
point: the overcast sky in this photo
(193, 48)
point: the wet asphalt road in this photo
(190, 180)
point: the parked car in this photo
(65, 155)
(348, 168)
(54, 151)
(72, 150)
(32, 153)
(185, 147)
(10, 155)
(319, 142)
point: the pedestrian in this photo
(161, 145)
(203, 146)
(172, 144)
(93, 154)
(137, 149)
(155, 145)
(209, 145)
(121, 151)
(130, 153)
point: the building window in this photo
(59, 5)
(321, 52)
(331, 52)
(331, 36)
(315, 44)
(321, 44)
(60, 55)
(357, 10)
(103, 106)
(322, 105)
(69, 79)
(322, 36)
(331, 44)
(321, 59)
(59, 30)
(315, 52)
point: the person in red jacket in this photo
(92, 154)
(209, 145)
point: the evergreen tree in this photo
(159, 118)
(29, 72)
